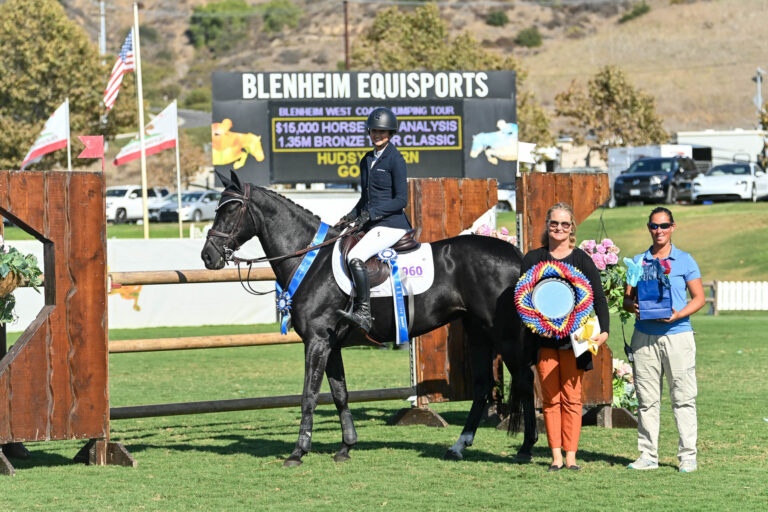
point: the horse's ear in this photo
(224, 180)
(235, 180)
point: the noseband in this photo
(244, 200)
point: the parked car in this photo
(195, 206)
(739, 180)
(507, 199)
(125, 204)
(656, 180)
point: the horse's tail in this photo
(516, 394)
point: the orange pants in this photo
(561, 397)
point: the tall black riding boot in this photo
(361, 312)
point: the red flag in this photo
(94, 147)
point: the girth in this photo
(378, 271)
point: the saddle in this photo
(378, 271)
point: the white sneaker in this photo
(643, 464)
(688, 466)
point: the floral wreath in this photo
(554, 327)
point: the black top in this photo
(584, 263)
(385, 189)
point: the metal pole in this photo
(102, 33)
(178, 171)
(140, 95)
(346, 35)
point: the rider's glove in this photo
(363, 218)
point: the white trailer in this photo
(727, 145)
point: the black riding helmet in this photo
(382, 119)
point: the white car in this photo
(195, 206)
(124, 203)
(739, 180)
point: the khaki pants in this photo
(675, 356)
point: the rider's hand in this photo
(348, 218)
(364, 217)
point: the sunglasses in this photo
(564, 224)
(663, 225)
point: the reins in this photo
(228, 253)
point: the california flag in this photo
(55, 135)
(159, 134)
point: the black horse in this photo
(475, 277)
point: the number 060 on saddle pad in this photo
(416, 269)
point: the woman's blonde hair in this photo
(566, 208)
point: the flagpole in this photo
(137, 52)
(178, 170)
(69, 146)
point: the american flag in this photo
(125, 63)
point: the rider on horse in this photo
(379, 210)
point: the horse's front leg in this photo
(336, 380)
(315, 358)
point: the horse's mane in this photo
(281, 197)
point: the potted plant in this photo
(15, 269)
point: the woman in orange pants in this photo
(560, 372)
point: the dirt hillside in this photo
(696, 58)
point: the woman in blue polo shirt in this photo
(379, 211)
(667, 347)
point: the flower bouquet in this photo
(15, 269)
(624, 386)
(612, 275)
(502, 234)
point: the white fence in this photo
(741, 295)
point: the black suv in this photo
(659, 180)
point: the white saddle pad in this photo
(416, 268)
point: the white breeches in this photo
(377, 239)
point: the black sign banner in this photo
(310, 127)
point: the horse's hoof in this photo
(341, 457)
(291, 462)
(523, 458)
(452, 455)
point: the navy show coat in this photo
(384, 189)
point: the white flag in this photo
(55, 135)
(159, 134)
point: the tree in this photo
(610, 113)
(419, 39)
(44, 59)
(220, 26)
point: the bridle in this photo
(229, 252)
(244, 200)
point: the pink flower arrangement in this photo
(604, 254)
(502, 234)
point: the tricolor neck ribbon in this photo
(285, 297)
(389, 256)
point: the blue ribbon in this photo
(389, 256)
(284, 297)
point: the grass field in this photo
(232, 461)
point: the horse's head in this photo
(477, 145)
(233, 225)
